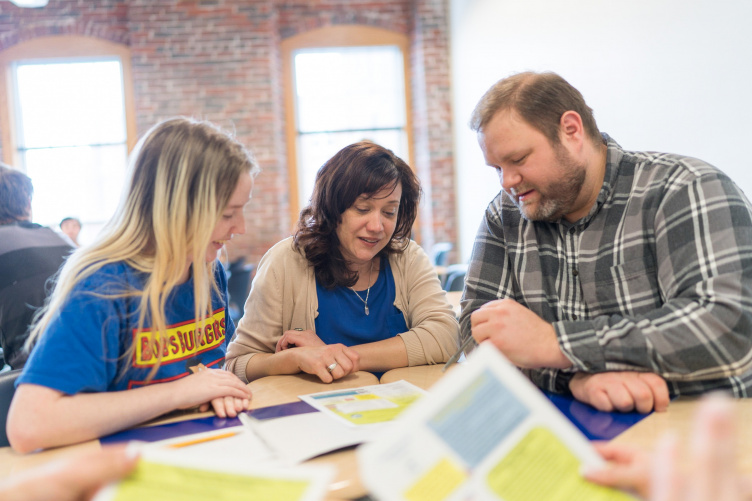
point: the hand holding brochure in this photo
(483, 432)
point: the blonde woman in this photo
(137, 323)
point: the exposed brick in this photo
(219, 60)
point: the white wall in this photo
(663, 75)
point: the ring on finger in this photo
(331, 366)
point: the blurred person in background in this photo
(71, 227)
(30, 255)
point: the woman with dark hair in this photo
(350, 291)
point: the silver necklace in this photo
(368, 291)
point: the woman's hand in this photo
(298, 338)
(227, 394)
(227, 406)
(319, 359)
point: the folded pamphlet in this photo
(484, 432)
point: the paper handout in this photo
(337, 419)
(171, 475)
(483, 432)
(367, 405)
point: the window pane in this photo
(69, 104)
(315, 149)
(72, 137)
(84, 182)
(349, 88)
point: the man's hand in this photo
(523, 337)
(621, 391)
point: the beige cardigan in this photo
(283, 296)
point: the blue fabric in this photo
(342, 317)
(82, 348)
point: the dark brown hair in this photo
(15, 195)
(538, 98)
(363, 168)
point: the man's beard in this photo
(556, 198)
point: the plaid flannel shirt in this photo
(657, 277)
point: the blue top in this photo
(342, 317)
(83, 346)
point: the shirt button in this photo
(571, 230)
(574, 317)
(575, 272)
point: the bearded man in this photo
(622, 277)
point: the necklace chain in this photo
(368, 291)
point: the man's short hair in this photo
(15, 195)
(538, 98)
(66, 219)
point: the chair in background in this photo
(238, 286)
(440, 253)
(455, 277)
(7, 389)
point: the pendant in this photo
(367, 310)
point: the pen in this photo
(198, 368)
(204, 439)
(459, 353)
(252, 424)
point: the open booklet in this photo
(260, 458)
(483, 432)
(321, 423)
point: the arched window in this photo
(67, 121)
(342, 84)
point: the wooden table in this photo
(272, 390)
(679, 418)
(422, 376)
(282, 389)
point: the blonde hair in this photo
(182, 175)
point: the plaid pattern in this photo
(657, 277)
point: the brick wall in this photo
(219, 60)
(433, 122)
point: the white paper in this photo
(285, 441)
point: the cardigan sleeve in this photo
(434, 332)
(261, 325)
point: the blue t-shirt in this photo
(342, 317)
(83, 347)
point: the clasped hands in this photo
(530, 342)
(313, 356)
(214, 388)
